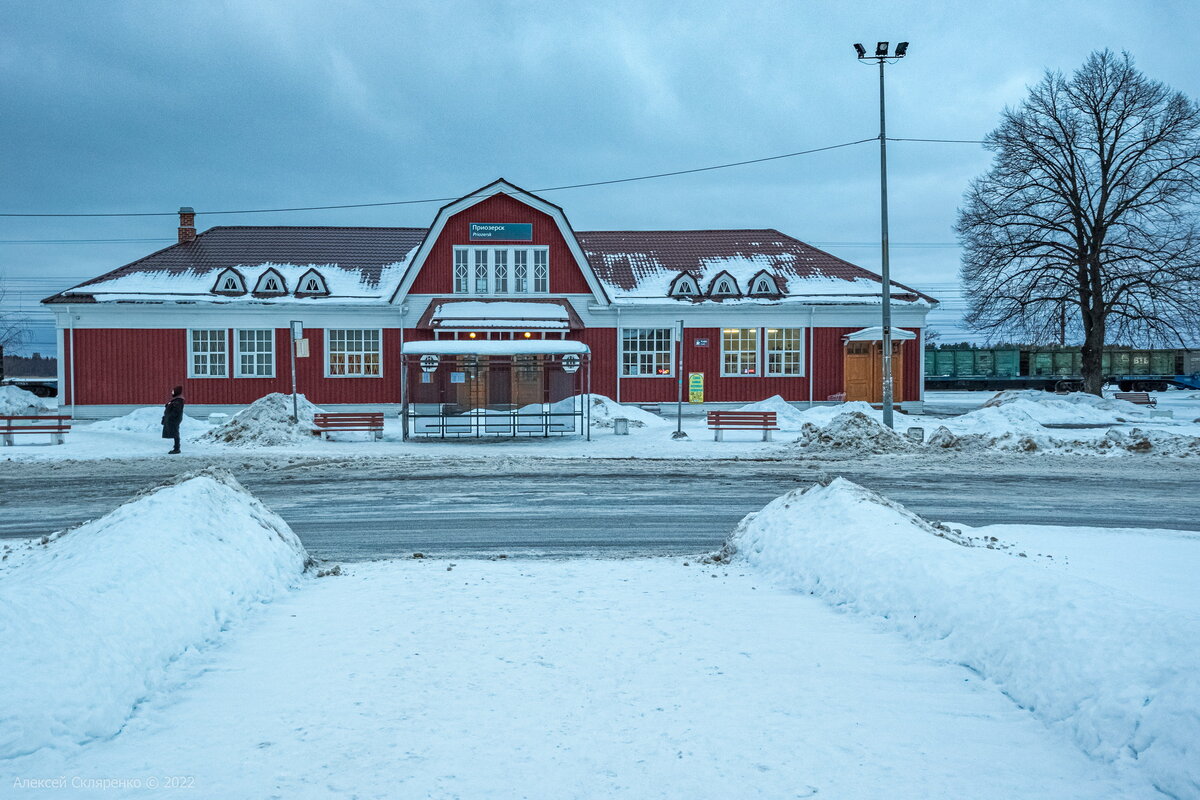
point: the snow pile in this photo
(852, 433)
(91, 618)
(16, 402)
(1076, 408)
(267, 422)
(1117, 672)
(604, 411)
(147, 420)
(787, 416)
(1112, 442)
(996, 421)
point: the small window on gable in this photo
(311, 282)
(270, 282)
(764, 283)
(684, 285)
(230, 282)
(723, 285)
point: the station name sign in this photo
(502, 231)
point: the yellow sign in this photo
(695, 387)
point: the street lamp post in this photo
(881, 55)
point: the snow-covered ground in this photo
(1013, 422)
(841, 647)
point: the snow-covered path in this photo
(585, 678)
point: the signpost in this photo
(429, 363)
(502, 231)
(570, 362)
(679, 434)
(297, 331)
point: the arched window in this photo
(764, 284)
(230, 281)
(723, 285)
(684, 285)
(270, 282)
(312, 283)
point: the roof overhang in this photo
(463, 314)
(494, 347)
(875, 334)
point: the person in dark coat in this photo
(172, 416)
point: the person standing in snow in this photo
(172, 417)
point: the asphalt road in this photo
(362, 510)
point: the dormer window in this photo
(764, 284)
(723, 286)
(312, 283)
(684, 285)
(270, 282)
(230, 281)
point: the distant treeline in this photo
(1018, 346)
(34, 366)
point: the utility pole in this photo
(881, 55)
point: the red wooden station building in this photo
(500, 303)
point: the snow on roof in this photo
(875, 334)
(642, 264)
(505, 309)
(494, 347)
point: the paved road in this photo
(357, 511)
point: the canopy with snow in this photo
(875, 334)
(540, 315)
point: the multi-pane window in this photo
(207, 350)
(785, 353)
(255, 355)
(501, 270)
(647, 352)
(354, 353)
(520, 271)
(541, 271)
(461, 271)
(739, 351)
(481, 272)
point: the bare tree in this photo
(1086, 223)
(13, 328)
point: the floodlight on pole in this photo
(881, 55)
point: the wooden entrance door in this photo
(863, 371)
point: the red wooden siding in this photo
(436, 276)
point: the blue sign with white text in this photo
(502, 231)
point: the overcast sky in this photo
(132, 106)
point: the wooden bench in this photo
(369, 421)
(721, 421)
(56, 426)
(1137, 398)
(837, 397)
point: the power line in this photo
(943, 141)
(80, 241)
(449, 199)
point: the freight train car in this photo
(1058, 368)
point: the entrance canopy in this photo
(875, 334)
(494, 347)
(530, 315)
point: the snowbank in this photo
(148, 420)
(1117, 672)
(853, 433)
(1076, 408)
(91, 619)
(790, 418)
(267, 422)
(17, 402)
(605, 410)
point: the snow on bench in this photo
(331, 422)
(1137, 398)
(56, 426)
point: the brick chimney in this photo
(187, 224)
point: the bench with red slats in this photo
(56, 426)
(721, 421)
(333, 422)
(1138, 398)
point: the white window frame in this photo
(758, 361)
(329, 354)
(766, 282)
(522, 265)
(672, 352)
(238, 280)
(685, 286)
(312, 275)
(238, 352)
(191, 352)
(768, 352)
